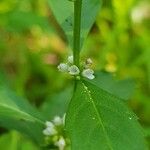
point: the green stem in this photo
(76, 32)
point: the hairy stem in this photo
(76, 32)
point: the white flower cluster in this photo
(52, 132)
(72, 69)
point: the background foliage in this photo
(31, 48)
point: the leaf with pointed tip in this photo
(97, 120)
(63, 11)
(16, 113)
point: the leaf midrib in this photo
(21, 112)
(98, 116)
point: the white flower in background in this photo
(74, 70)
(140, 12)
(55, 134)
(50, 129)
(49, 124)
(46, 132)
(88, 73)
(61, 143)
(63, 67)
(70, 59)
(58, 121)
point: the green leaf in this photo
(57, 104)
(120, 88)
(16, 113)
(63, 11)
(96, 120)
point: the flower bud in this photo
(63, 67)
(58, 121)
(61, 143)
(70, 59)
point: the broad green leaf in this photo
(57, 104)
(63, 11)
(16, 113)
(120, 88)
(97, 120)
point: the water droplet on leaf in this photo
(130, 118)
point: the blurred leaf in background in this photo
(13, 141)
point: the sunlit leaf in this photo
(98, 120)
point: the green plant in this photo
(96, 117)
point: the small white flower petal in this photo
(61, 143)
(52, 131)
(49, 131)
(74, 70)
(70, 59)
(88, 73)
(49, 124)
(63, 67)
(46, 132)
(58, 121)
(91, 77)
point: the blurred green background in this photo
(32, 45)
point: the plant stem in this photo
(76, 32)
(76, 35)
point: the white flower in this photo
(74, 70)
(50, 129)
(70, 59)
(61, 143)
(58, 121)
(49, 124)
(46, 132)
(88, 73)
(63, 67)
